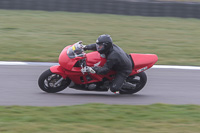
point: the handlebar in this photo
(80, 43)
(90, 70)
(79, 46)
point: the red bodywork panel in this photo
(65, 61)
(143, 62)
(67, 68)
(94, 58)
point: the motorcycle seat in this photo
(131, 61)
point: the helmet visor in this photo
(99, 46)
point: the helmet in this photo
(104, 43)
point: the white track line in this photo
(177, 67)
(10, 63)
(13, 63)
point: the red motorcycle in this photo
(75, 71)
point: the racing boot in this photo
(128, 86)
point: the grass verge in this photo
(40, 35)
(101, 118)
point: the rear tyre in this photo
(47, 82)
(139, 80)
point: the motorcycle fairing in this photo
(94, 59)
(142, 62)
(65, 61)
(67, 66)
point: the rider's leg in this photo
(120, 82)
(117, 83)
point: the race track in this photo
(170, 86)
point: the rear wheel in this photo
(139, 80)
(47, 82)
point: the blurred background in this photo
(37, 30)
(170, 8)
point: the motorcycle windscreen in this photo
(65, 61)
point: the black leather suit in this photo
(118, 61)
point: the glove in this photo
(96, 68)
(101, 70)
(90, 70)
(85, 48)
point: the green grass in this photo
(101, 118)
(40, 35)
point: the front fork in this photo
(59, 81)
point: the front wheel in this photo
(139, 80)
(47, 82)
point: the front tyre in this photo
(47, 82)
(139, 80)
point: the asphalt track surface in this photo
(170, 86)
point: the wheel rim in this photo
(136, 80)
(50, 81)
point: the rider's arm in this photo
(107, 66)
(90, 47)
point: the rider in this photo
(117, 60)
